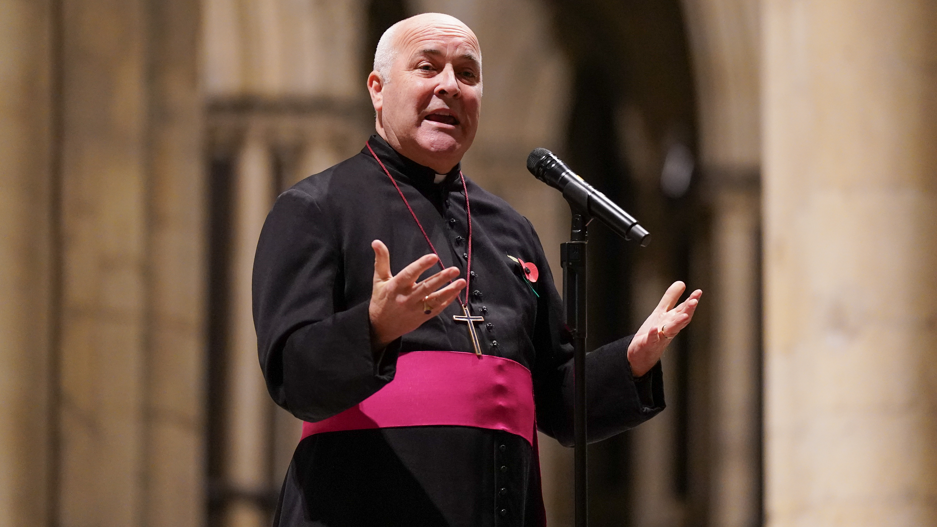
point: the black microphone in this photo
(548, 168)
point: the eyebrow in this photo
(435, 52)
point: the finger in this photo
(436, 281)
(677, 324)
(410, 273)
(689, 305)
(694, 297)
(381, 261)
(445, 296)
(452, 289)
(671, 295)
(441, 299)
(685, 307)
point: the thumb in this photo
(381, 261)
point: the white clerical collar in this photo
(438, 179)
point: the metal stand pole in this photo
(573, 255)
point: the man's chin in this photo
(442, 144)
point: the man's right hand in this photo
(398, 302)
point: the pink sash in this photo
(448, 388)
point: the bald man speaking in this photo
(409, 318)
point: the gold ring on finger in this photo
(427, 309)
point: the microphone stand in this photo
(573, 257)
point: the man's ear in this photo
(375, 89)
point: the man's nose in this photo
(447, 84)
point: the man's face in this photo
(429, 105)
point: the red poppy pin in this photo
(529, 271)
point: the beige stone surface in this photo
(174, 492)
(736, 434)
(284, 49)
(132, 197)
(101, 423)
(25, 261)
(103, 223)
(851, 325)
(249, 413)
(725, 41)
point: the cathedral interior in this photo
(781, 152)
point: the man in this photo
(421, 389)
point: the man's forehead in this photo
(429, 35)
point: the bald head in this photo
(389, 45)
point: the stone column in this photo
(175, 355)
(103, 215)
(26, 261)
(735, 493)
(850, 128)
(248, 407)
(130, 353)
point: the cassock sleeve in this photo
(616, 401)
(315, 353)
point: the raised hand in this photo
(663, 324)
(399, 304)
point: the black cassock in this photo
(312, 283)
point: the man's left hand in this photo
(664, 323)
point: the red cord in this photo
(468, 212)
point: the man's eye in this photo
(425, 67)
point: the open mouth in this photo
(442, 118)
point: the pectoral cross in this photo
(470, 321)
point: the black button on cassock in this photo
(489, 326)
(503, 512)
(503, 491)
(503, 448)
(504, 468)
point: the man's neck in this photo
(430, 161)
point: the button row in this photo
(502, 488)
